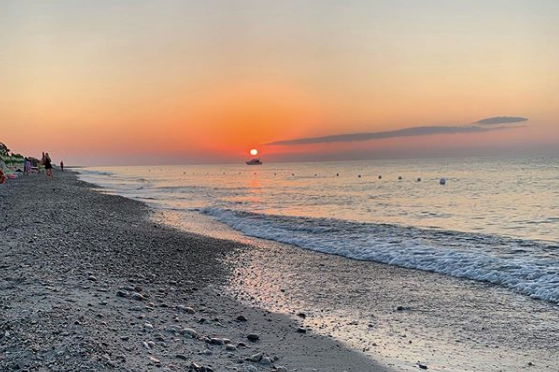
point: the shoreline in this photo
(397, 316)
(90, 283)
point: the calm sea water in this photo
(495, 220)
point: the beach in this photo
(89, 282)
(447, 287)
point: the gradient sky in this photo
(176, 81)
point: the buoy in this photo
(419, 179)
(359, 176)
(380, 177)
(442, 181)
(293, 174)
(399, 177)
(337, 175)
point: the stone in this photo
(186, 309)
(137, 296)
(121, 293)
(241, 318)
(281, 369)
(216, 341)
(189, 332)
(173, 328)
(301, 330)
(255, 358)
(267, 361)
(230, 347)
(181, 357)
(253, 337)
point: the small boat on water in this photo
(254, 162)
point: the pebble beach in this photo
(89, 282)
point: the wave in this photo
(86, 171)
(487, 258)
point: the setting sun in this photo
(254, 152)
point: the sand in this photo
(88, 282)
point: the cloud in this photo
(407, 132)
(501, 120)
(479, 126)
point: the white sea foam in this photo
(498, 260)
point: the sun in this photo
(254, 152)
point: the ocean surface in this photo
(495, 220)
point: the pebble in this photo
(137, 296)
(216, 341)
(255, 358)
(253, 337)
(241, 318)
(301, 330)
(186, 309)
(122, 293)
(189, 332)
(281, 369)
(230, 347)
(154, 360)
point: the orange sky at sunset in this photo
(188, 82)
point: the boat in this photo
(254, 162)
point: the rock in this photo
(207, 352)
(281, 369)
(255, 358)
(189, 332)
(267, 361)
(302, 315)
(92, 278)
(173, 328)
(253, 337)
(230, 347)
(196, 367)
(181, 357)
(301, 330)
(186, 309)
(422, 365)
(241, 318)
(154, 360)
(400, 308)
(250, 368)
(137, 296)
(121, 293)
(216, 341)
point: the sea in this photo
(493, 220)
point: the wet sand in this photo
(395, 315)
(88, 282)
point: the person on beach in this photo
(26, 166)
(62, 166)
(48, 166)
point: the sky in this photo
(178, 81)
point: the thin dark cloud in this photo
(496, 120)
(407, 132)
(480, 126)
